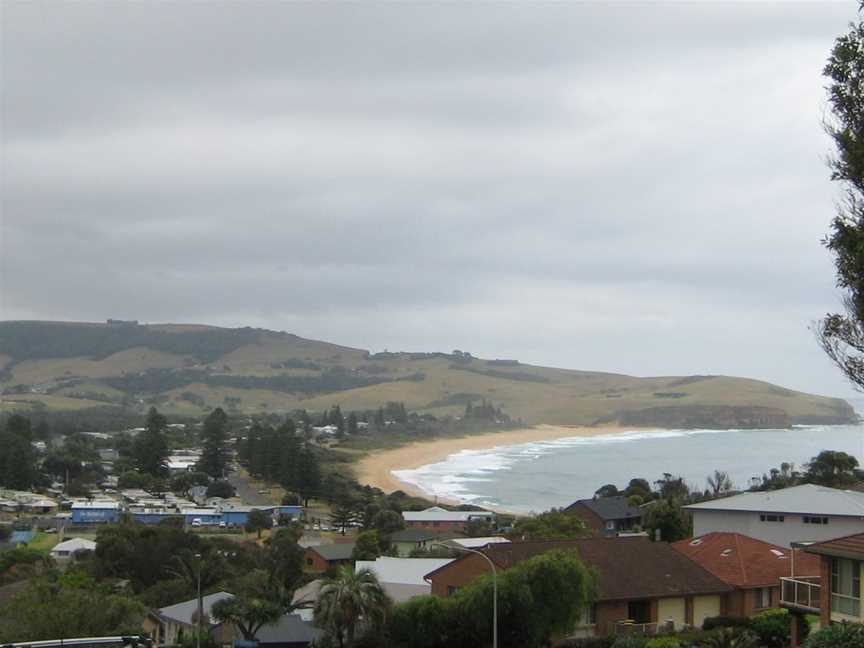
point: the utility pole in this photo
(494, 585)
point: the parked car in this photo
(196, 522)
(222, 524)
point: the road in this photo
(247, 492)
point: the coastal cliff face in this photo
(719, 417)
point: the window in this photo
(452, 589)
(810, 519)
(772, 518)
(846, 586)
(610, 524)
(309, 561)
(763, 598)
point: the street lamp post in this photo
(494, 586)
(200, 602)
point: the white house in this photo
(66, 549)
(806, 513)
(402, 578)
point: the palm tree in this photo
(247, 614)
(347, 598)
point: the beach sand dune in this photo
(377, 469)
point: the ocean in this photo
(533, 477)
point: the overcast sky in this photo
(636, 187)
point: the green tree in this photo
(426, 622)
(719, 482)
(842, 334)
(17, 457)
(347, 597)
(220, 489)
(669, 519)
(214, 455)
(537, 599)
(150, 448)
(840, 635)
(258, 521)
(249, 611)
(554, 524)
(309, 479)
(343, 515)
(832, 468)
(284, 562)
(69, 607)
(387, 522)
(367, 547)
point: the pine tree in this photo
(214, 457)
(309, 474)
(351, 424)
(150, 448)
(17, 457)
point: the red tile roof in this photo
(628, 568)
(744, 562)
(851, 546)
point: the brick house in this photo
(607, 515)
(642, 584)
(835, 594)
(753, 568)
(319, 558)
(441, 520)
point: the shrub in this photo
(772, 628)
(630, 641)
(726, 622)
(663, 642)
(841, 635)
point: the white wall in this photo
(792, 529)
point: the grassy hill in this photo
(189, 369)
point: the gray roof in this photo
(805, 499)
(412, 534)
(289, 629)
(341, 551)
(610, 508)
(183, 612)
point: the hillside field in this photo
(188, 370)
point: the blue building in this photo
(151, 516)
(95, 512)
(293, 512)
(202, 517)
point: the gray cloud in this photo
(634, 188)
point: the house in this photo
(607, 516)
(167, 626)
(291, 631)
(41, 505)
(320, 558)
(806, 513)
(642, 584)
(835, 593)
(411, 539)
(439, 519)
(66, 549)
(95, 512)
(753, 568)
(402, 578)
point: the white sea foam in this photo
(540, 474)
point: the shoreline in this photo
(376, 469)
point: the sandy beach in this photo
(376, 469)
